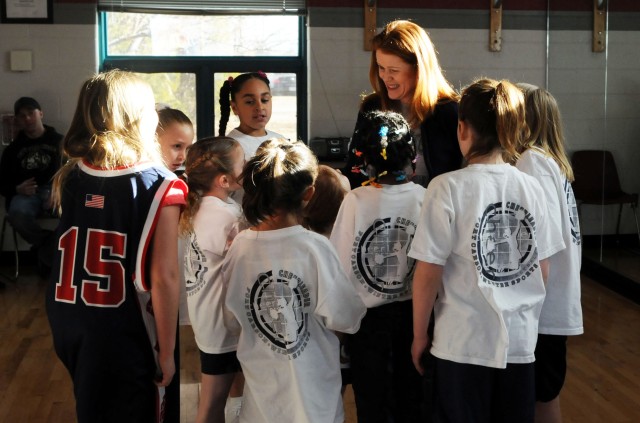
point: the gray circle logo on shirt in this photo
(276, 308)
(503, 247)
(380, 259)
(573, 213)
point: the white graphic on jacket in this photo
(503, 245)
(277, 311)
(379, 259)
(573, 213)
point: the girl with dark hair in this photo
(249, 96)
(372, 234)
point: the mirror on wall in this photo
(600, 129)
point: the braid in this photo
(225, 106)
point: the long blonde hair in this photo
(113, 125)
(545, 127)
(496, 111)
(412, 44)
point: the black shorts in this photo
(469, 392)
(219, 364)
(551, 366)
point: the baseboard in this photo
(612, 280)
(610, 240)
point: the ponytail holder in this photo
(372, 182)
(400, 175)
(230, 80)
(262, 74)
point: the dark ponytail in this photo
(225, 106)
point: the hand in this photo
(418, 349)
(167, 367)
(27, 187)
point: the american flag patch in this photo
(94, 200)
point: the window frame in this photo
(205, 67)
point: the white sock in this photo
(232, 409)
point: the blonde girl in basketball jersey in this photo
(112, 301)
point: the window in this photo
(184, 56)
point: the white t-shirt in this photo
(214, 226)
(487, 225)
(372, 234)
(286, 293)
(249, 143)
(561, 311)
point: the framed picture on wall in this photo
(26, 11)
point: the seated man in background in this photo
(26, 171)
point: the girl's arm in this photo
(165, 288)
(427, 281)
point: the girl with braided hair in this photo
(213, 168)
(248, 95)
(372, 234)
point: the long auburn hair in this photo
(412, 44)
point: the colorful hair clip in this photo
(400, 175)
(384, 130)
(262, 74)
(380, 175)
(357, 153)
(372, 182)
(383, 153)
(358, 169)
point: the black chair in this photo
(597, 182)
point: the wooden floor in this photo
(603, 380)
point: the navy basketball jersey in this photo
(99, 303)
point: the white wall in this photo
(65, 55)
(578, 78)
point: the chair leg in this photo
(618, 224)
(15, 247)
(634, 206)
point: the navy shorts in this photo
(219, 364)
(551, 366)
(473, 393)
